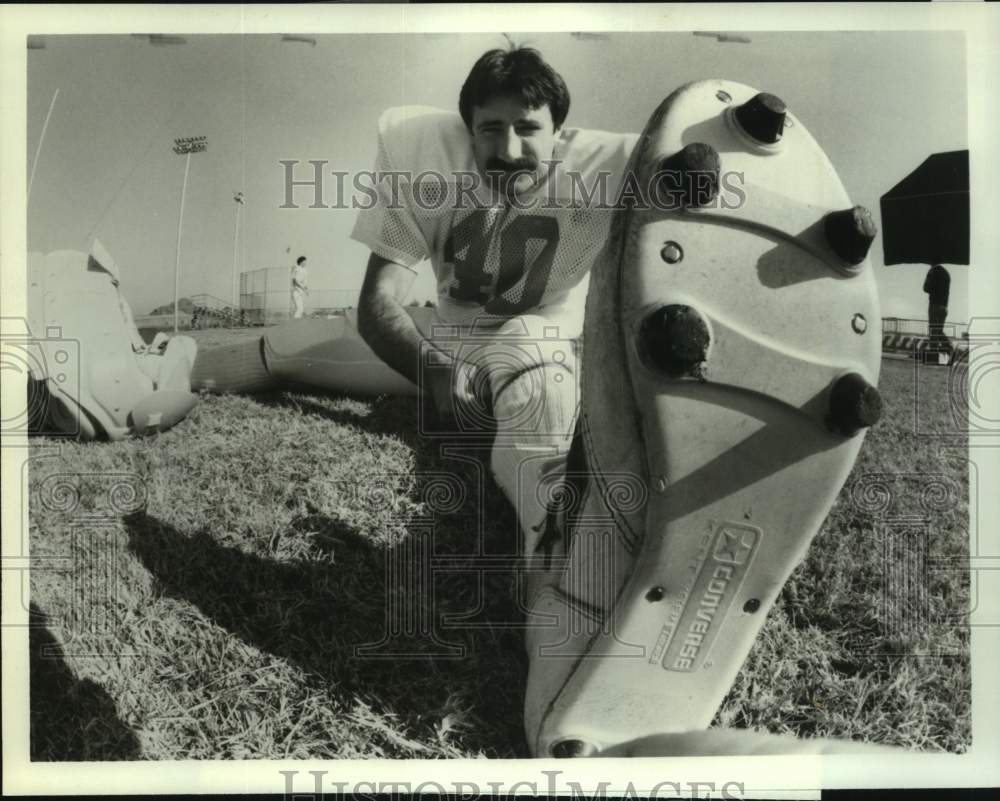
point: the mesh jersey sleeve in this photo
(388, 227)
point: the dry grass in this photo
(217, 614)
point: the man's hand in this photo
(451, 386)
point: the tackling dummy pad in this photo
(330, 354)
(729, 370)
(327, 354)
(100, 378)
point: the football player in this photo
(511, 207)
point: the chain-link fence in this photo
(266, 297)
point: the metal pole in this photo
(243, 244)
(236, 233)
(38, 150)
(180, 221)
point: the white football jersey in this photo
(492, 261)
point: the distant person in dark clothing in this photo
(937, 285)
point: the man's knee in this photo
(539, 403)
(533, 380)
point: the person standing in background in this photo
(299, 288)
(937, 285)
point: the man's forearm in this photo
(389, 331)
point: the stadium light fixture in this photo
(185, 146)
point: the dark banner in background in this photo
(925, 217)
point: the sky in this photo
(878, 102)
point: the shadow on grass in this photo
(72, 720)
(356, 624)
(375, 621)
(398, 416)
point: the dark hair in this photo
(520, 71)
(300, 259)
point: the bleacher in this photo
(909, 337)
(212, 312)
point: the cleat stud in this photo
(675, 340)
(690, 175)
(854, 404)
(850, 233)
(655, 594)
(762, 117)
(567, 749)
(671, 253)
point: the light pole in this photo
(238, 197)
(184, 147)
(38, 150)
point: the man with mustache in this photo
(511, 209)
(527, 210)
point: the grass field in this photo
(200, 594)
